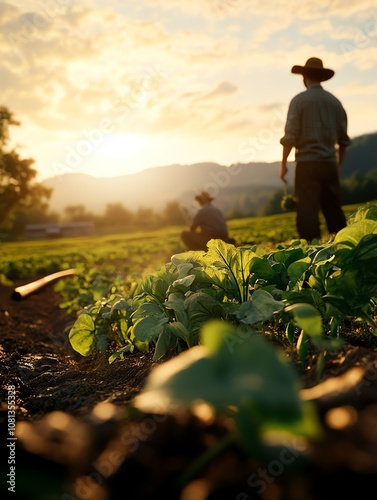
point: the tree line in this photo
(114, 217)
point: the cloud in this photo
(214, 9)
(224, 88)
(268, 108)
(217, 69)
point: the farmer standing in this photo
(316, 123)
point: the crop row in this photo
(301, 291)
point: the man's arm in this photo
(283, 167)
(289, 140)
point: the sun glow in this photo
(122, 146)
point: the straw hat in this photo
(314, 68)
(204, 196)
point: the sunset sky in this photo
(112, 87)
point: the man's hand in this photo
(283, 172)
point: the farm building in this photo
(59, 230)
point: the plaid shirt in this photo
(316, 122)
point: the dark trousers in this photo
(317, 187)
(198, 241)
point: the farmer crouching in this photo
(210, 221)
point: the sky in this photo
(108, 88)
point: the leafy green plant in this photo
(288, 202)
(308, 289)
(102, 324)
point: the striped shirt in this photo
(316, 122)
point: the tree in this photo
(173, 214)
(74, 213)
(117, 215)
(146, 217)
(359, 187)
(17, 177)
(273, 206)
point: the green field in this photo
(131, 254)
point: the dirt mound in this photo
(36, 357)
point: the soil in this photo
(79, 438)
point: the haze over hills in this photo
(155, 187)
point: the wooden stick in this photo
(22, 291)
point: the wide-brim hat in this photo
(204, 196)
(314, 67)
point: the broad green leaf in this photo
(305, 295)
(157, 284)
(348, 238)
(151, 308)
(307, 317)
(262, 268)
(101, 342)
(288, 256)
(184, 282)
(176, 303)
(179, 330)
(120, 304)
(214, 334)
(254, 373)
(194, 257)
(123, 327)
(369, 211)
(325, 254)
(149, 328)
(224, 255)
(203, 305)
(211, 276)
(354, 286)
(82, 335)
(296, 271)
(337, 303)
(165, 342)
(261, 307)
(220, 253)
(366, 249)
(184, 268)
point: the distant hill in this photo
(155, 187)
(243, 187)
(361, 155)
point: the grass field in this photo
(131, 254)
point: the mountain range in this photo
(232, 186)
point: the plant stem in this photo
(365, 316)
(205, 458)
